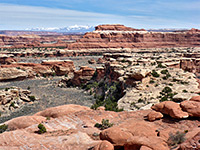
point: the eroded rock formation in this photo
(119, 36)
(72, 127)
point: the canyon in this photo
(113, 88)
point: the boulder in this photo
(138, 73)
(118, 136)
(104, 145)
(195, 98)
(115, 135)
(170, 108)
(191, 107)
(136, 143)
(154, 115)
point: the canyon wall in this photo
(119, 36)
(23, 41)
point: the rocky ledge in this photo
(12, 98)
(20, 71)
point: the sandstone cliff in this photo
(119, 36)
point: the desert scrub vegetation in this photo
(104, 124)
(3, 128)
(32, 98)
(160, 66)
(177, 138)
(166, 94)
(41, 128)
(107, 95)
(155, 74)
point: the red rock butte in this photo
(119, 36)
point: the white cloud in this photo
(16, 16)
(22, 17)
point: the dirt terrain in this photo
(48, 92)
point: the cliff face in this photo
(118, 36)
(22, 41)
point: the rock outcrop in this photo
(119, 36)
(25, 41)
(7, 74)
(170, 108)
(20, 71)
(12, 98)
(72, 127)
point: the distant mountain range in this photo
(166, 30)
(75, 29)
(69, 29)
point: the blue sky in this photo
(22, 14)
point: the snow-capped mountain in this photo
(69, 29)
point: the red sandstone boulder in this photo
(191, 107)
(170, 108)
(195, 98)
(154, 143)
(115, 135)
(154, 115)
(104, 145)
(118, 136)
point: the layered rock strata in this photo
(119, 36)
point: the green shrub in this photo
(140, 100)
(3, 128)
(104, 124)
(177, 138)
(151, 81)
(167, 90)
(111, 94)
(155, 74)
(32, 98)
(185, 91)
(160, 66)
(41, 128)
(164, 71)
(166, 94)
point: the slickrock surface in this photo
(72, 127)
